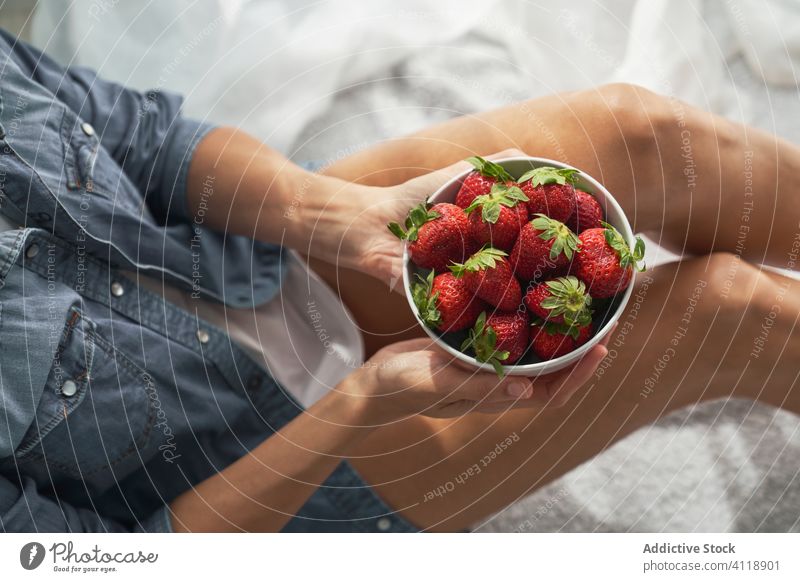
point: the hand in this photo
(378, 252)
(415, 377)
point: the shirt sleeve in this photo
(144, 132)
(24, 510)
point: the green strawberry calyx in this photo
(549, 175)
(486, 258)
(500, 195)
(552, 328)
(417, 217)
(483, 340)
(568, 298)
(627, 257)
(490, 169)
(564, 240)
(425, 301)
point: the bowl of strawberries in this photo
(520, 265)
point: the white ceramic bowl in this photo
(606, 313)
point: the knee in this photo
(639, 113)
(716, 294)
(627, 122)
(735, 287)
(657, 125)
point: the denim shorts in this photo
(345, 503)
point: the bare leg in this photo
(686, 338)
(693, 181)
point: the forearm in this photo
(264, 489)
(236, 184)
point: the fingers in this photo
(485, 386)
(451, 383)
(607, 337)
(463, 382)
(550, 391)
(464, 389)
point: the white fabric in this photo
(268, 65)
(273, 65)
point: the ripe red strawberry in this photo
(562, 300)
(488, 275)
(438, 236)
(480, 182)
(544, 247)
(502, 213)
(445, 303)
(552, 340)
(588, 213)
(551, 191)
(606, 262)
(501, 338)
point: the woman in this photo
(123, 410)
(126, 411)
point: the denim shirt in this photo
(113, 401)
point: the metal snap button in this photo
(32, 251)
(117, 290)
(87, 128)
(384, 523)
(69, 388)
(202, 336)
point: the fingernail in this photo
(517, 389)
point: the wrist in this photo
(344, 406)
(321, 215)
(371, 409)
